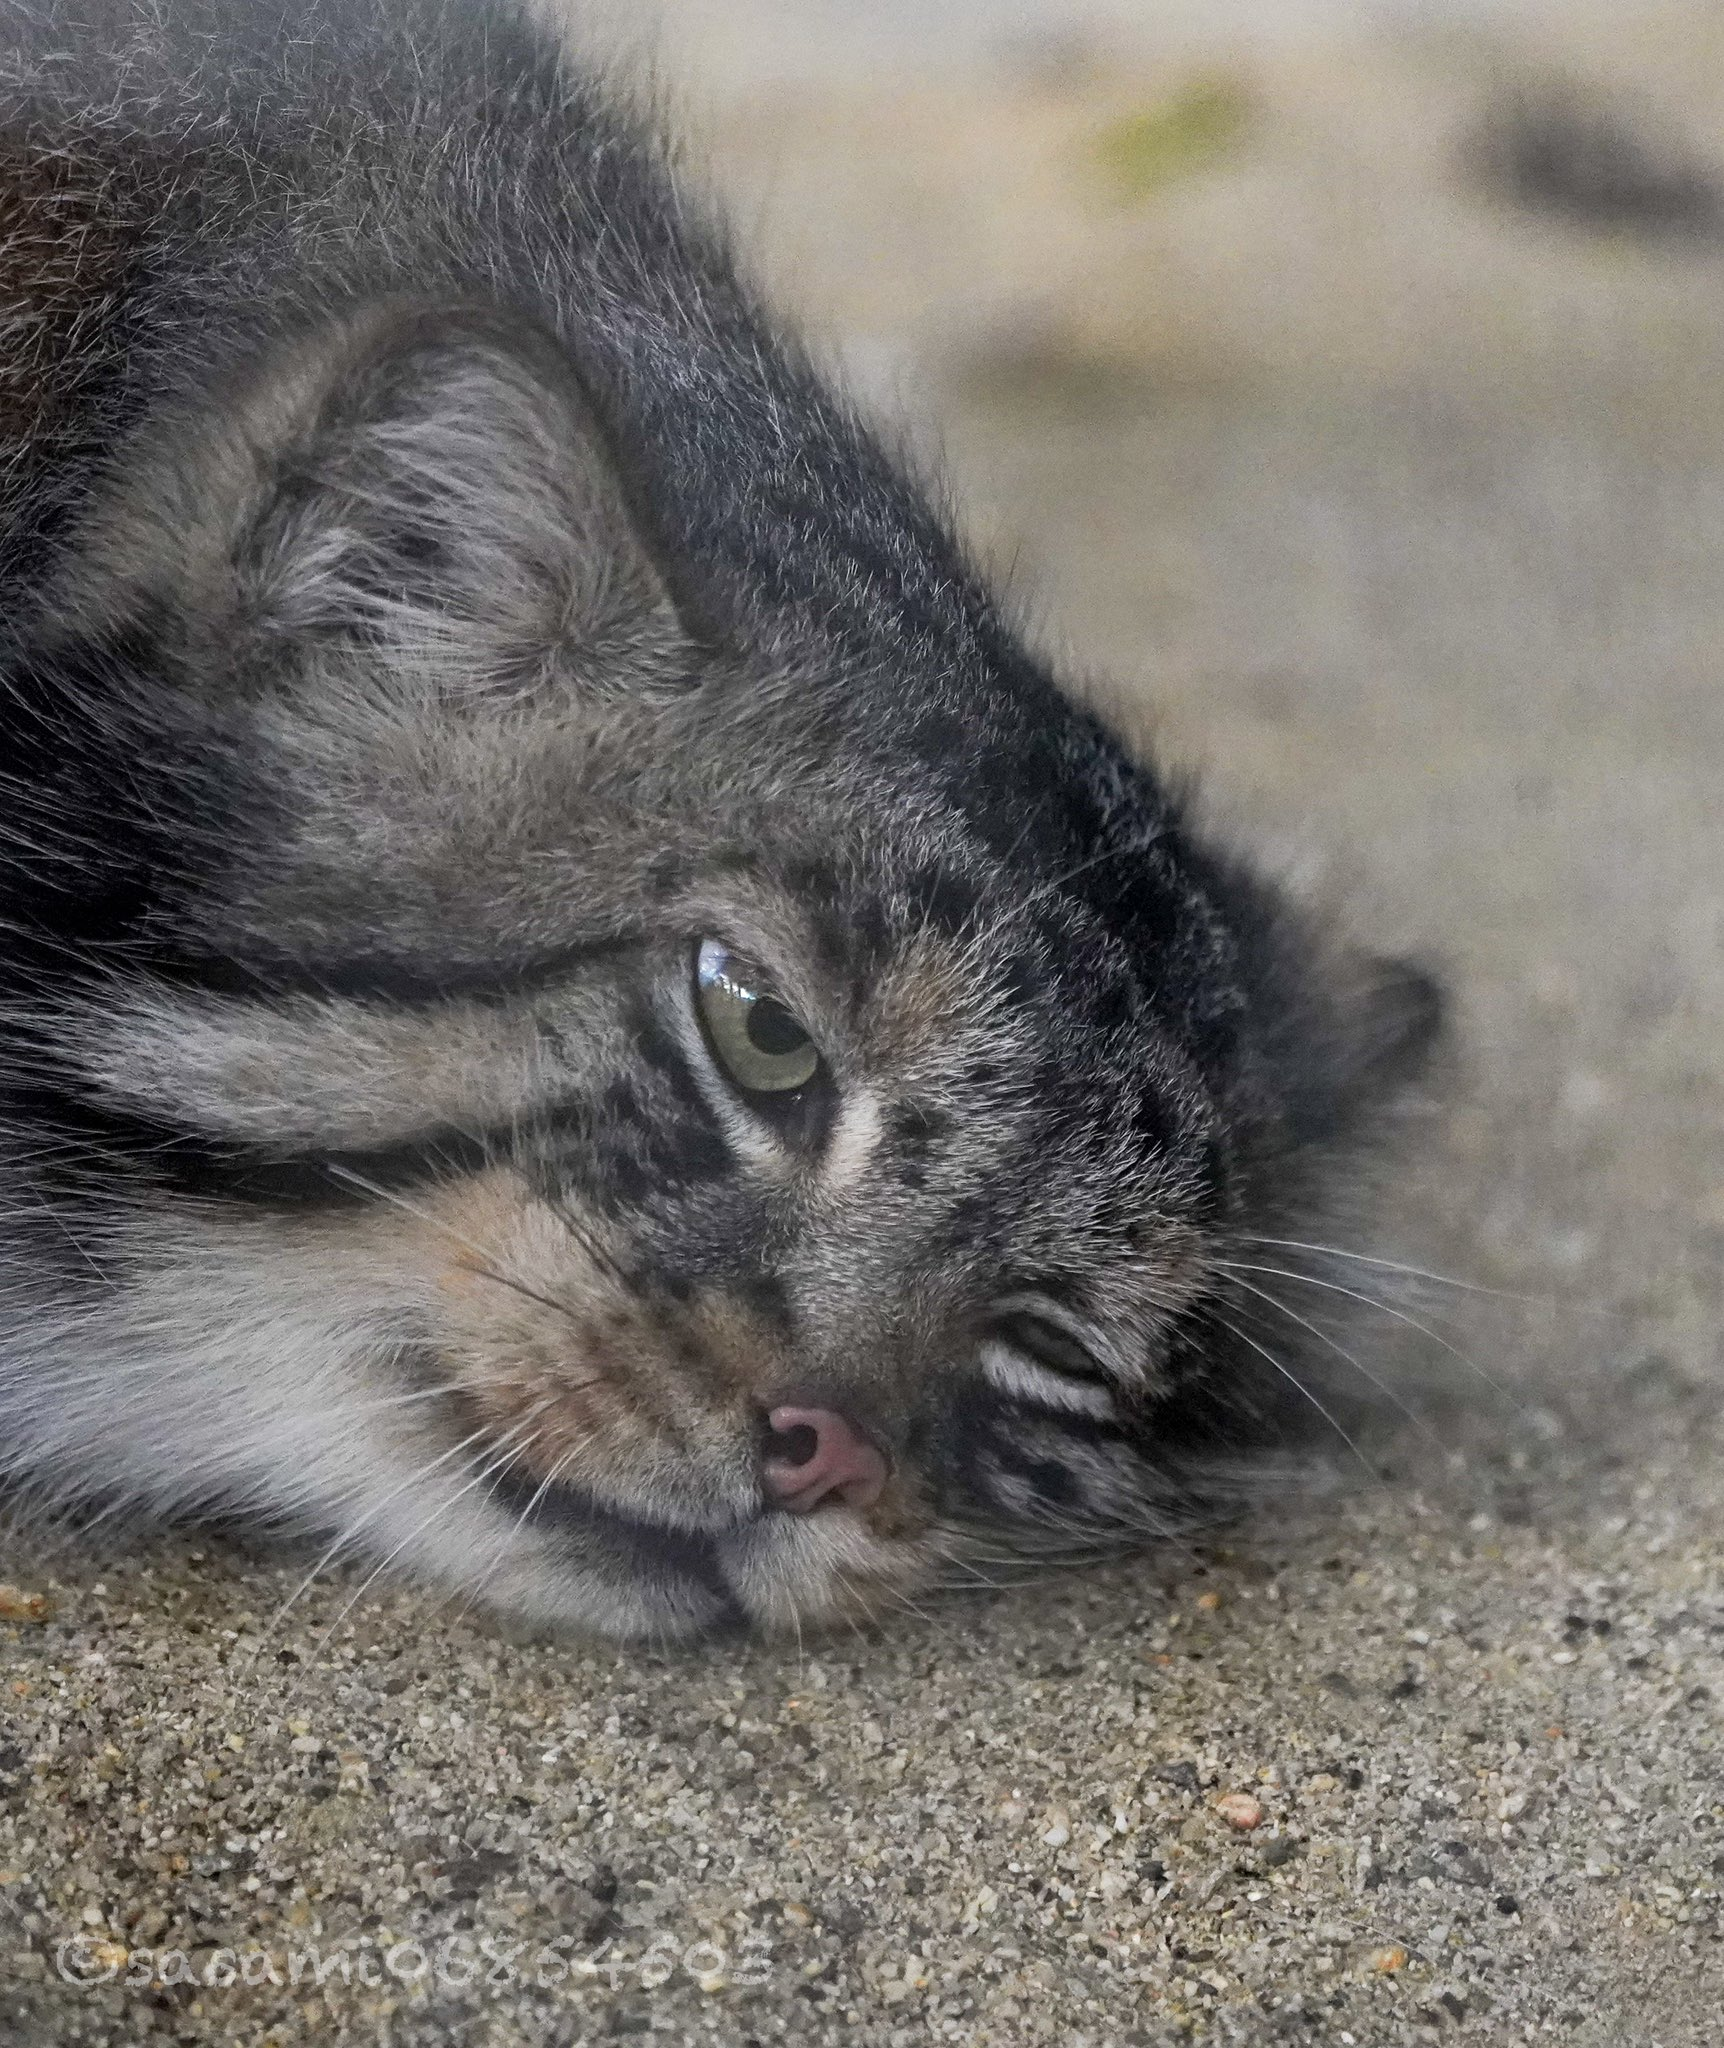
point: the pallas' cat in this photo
(579, 1014)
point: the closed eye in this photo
(1050, 1344)
(1029, 1360)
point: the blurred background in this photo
(1342, 387)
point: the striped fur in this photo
(437, 601)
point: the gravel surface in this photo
(1387, 486)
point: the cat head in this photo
(630, 1053)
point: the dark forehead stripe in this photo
(1063, 810)
(913, 1133)
(119, 892)
(69, 753)
(617, 1148)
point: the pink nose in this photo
(815, 1454)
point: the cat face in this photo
(657, 1125)
(845, 1172)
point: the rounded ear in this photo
(420, 499)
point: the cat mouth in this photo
(646, 1549)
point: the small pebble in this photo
(1240, 1810)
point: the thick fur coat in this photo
(442, 614)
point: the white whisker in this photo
(1340, 1350)
(1383, 1307)
(1294, 1380)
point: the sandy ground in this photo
(1398, 506)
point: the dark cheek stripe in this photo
(98, 1137)
(641, 1136)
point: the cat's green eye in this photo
(753, 1037)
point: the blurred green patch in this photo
(1054, 377)
(1066, 379)
(1204, 122)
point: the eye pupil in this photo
(755, 1039)
(772, 1029)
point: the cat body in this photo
(577, 1011)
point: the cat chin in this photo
(776, 1577)
(587, 1569)
(543, 1586)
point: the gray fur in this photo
(437, 601)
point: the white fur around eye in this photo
(1009, 1372)
(748, 1136)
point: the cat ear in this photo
(432, 497)
(1356, 1039)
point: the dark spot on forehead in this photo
(850, 932)
(914, 1126)
(812, 878)
(942, 899)
(871, 932)
(1152, 1119)
(766, 1295)
(975, 1222)
(833, 942)
(664, 873)
(1022, 976)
